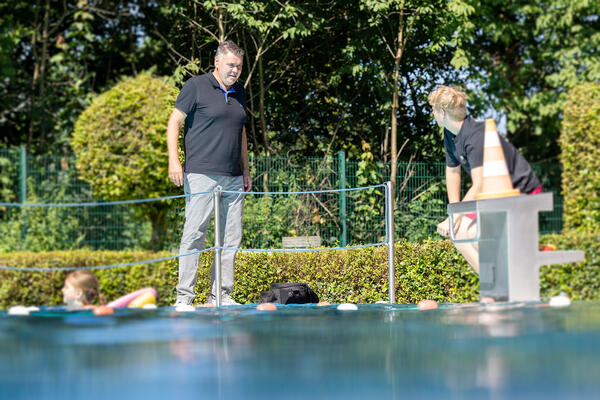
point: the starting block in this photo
(508, 236)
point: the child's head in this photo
(450, 99)
(81, 289)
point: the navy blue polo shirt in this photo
(212, 140)
(466, 150)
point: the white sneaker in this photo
(225, 300)
(182, 307)
(228, 301)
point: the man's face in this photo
(228, 67)
(439, 114)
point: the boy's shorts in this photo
(473, 216)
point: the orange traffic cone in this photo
(496, 179)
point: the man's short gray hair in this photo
(229, 47)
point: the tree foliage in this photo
(319, 74)
(580, 158)
(119, 143)
(525, 56)
(54, 55)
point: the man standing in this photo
(213, 106)
(463, 142)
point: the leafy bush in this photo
(68, 228)
(40, 228)
(580, 158)
(581, 281)
(418, 217)
(268, 218)
(430, 269)
(120, 145)
(8, 175)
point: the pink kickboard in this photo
(124, 301)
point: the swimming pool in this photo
(497, 351)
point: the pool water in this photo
(497, 351)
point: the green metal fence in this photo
(338, 218)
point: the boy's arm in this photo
(476, 187)
(453, 188)
(453, 184)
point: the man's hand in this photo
(176, 172)
(443, 227)
(247, 181)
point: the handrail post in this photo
(217, 206)
(389, 215)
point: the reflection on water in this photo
(496, 351)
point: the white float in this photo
(22, 310)
(560, 301)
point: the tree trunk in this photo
(42, 91)
(36, 74)
(158, 218)
(248, 86)
(384, 146)
(263, 121)
(221, 25)
(194, 33)
(395, 105)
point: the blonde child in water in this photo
(81, 290)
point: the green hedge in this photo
(580, 281)
(432, 269)
(580, 157)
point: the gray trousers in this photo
(198, 214)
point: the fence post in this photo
(23, 174)
(342, 196)
(23, 191)
(389, 224)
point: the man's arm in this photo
(173, 129)
(244, 162)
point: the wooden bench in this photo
(300, 242)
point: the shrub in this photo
(40, 228)
(580, 158)
(430, 269)
(120, 145)
(581, 281)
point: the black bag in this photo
(289, 293)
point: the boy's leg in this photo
(470, 251)
(468, 230)
(198, 212)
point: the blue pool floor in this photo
(497, 351)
